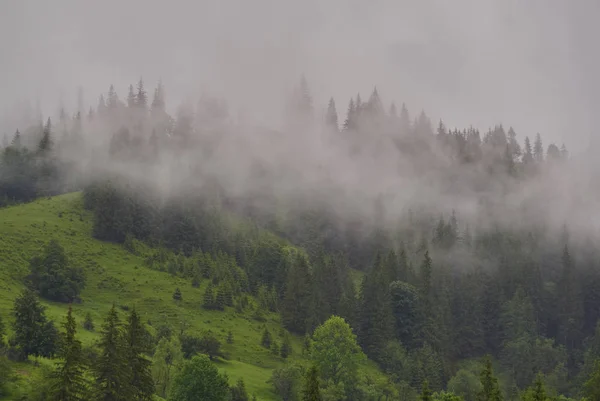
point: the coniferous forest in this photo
(458, 263)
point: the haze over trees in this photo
(458, 261)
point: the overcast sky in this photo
(531, 64)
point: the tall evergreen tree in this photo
(141, 97)
(350, 116)
(46, 142)
(158, 101)
(490, 390)
(538, 149)
(331, 119)
(297, 298)
(33, 333)
(69, 382)
(112, 100)
(528, 153)
(310, 390)
(16, 141)
(112, 371)
(131, 97)
(138, 347)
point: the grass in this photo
(113, 275)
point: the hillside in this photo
(114, 275)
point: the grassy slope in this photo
(117, 276)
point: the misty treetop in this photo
(422, 247)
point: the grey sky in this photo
(530, 64)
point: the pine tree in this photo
(528, 153)
(297, 298)
(137, 347)
(177, 295)
(310, 391)
(33, 333)
(286, 347)
(112, 100)
(331, 119)
(131, 98)
(238, 391)
(266, 339)
(570, 311)
(101, 109)
(112, 371)
(349, 122)
(16, 141)
(141, 98)
(538, 149)
(221, 298)
(537, 392)
(209, 297)
(375, 326)
(426, 394)
(88, 324)
(46, 142)
(68, 379)
(158, 101)
(490, 390)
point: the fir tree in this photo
(112, 101)
(141, 97)
(209, 296)
(177, 295)
(266, 339)
(137, 347)
(158, 101)
(528, 153)
(33, 333)
(131, 97)
(112, 371)
(490, 390)
(238, 391)
(331, 119)
(349, 122)
(88, 323)
(68, 379)
(297, 299)
(16, 141)
(286, 347)
(46, 142)
(426, 394)
(538, 149)
(311, 391)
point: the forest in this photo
(460, 263)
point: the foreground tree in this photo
(490, 389)
(68, 380)
(34, 334)
(199, 380)
(112, 372)
(137, 348)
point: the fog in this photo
(528, 64)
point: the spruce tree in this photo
(112, 371)
(33, 333)
(88, 324)
(528, 153)
(209, 296)
(138, 347)
(177, 295)
(68, 379)
(45, 143)
(331, 119)
(538, 149)
(141, 97)
(297, 299)
(286, 347)
(311, 391)
(16, 141)
(426, 394)
(349, 122)
(131, 98)
(112, 100)
(158, 101)
(266, 339)
(490, 390)
(238, 391)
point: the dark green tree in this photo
(88, 324)
(177, 295)
(112, 371)
(331, 118)
(46, 142)
(297, 299)
(68, 380)
(52, 275)
(209, 297)
(426, 393)
(239, 392)
(266, 338)
(311, 390)
(138, 346)
(286, 347)
(538, 149)
(33, 333)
